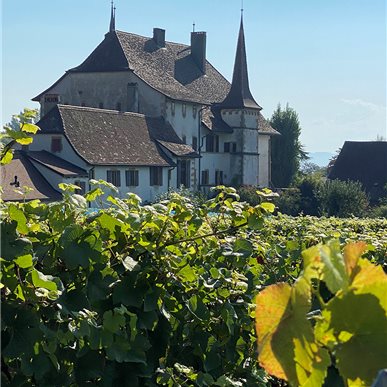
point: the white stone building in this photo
(149, 115)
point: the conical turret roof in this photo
(239, 96)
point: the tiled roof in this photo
(170, 69)
(213, 121)
(23, 171)
(264, 126)
(365, 162)
(239, 96)
(56, 164)
(179, 150)
(107, 137)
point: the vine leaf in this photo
(355, 333)
(285, 337)
(326, 263)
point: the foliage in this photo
(289, 201)
(305, 328)
(19, 133)
(197, 198)
(342, 198)
(132, 295)
(286, 149)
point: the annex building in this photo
(148, 115)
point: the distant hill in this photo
(320, 158)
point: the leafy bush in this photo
(132, 295)
(342, 199)
(289, 201)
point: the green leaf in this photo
(364, 322)
(113, 321)
(40, 280)
(93, 194)
(24, 261)
(269, 207)
(187, 273)
(17, 215)
(286, 342)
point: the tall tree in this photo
(286, 150)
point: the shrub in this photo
(289, 201)
(342, 199)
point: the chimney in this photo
(159, 37)
(198, 49)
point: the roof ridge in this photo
(106, 111)
(150, 38)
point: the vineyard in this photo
(165, 294)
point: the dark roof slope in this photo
(56, 164)
(365, 162)
(26, 176)
(170, 69)
(239, 96)
(107, 137)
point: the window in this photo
(205, 177)
(156, 175)
(184, 109)
(100, 105)
(195, 143)
(184, 139)
(132, 97)
(218, 177)
(212, 143)
(183, 173)
(82, 186)
(56, 144)
(131, 178)
(114, 177)
(194, 111)
(173, 108)
(229, 147)
(118, 106)
(91, 173)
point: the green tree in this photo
(287, 151)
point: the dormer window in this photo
(56, 144)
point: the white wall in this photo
(147, 192)
(107, 88)
(264, 160)
(43, 142)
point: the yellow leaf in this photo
(352, 253)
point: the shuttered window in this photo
(114, 177)
(131, 177)
(156, 175)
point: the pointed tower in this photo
(239, 96)
(239, 110)
(112, 26)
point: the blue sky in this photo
(327, 59)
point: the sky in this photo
(326, 59)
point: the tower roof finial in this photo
(112, 26)
(239, 96)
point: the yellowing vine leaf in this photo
(285, 337)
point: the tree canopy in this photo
(287, 150)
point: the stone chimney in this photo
(159, 37)
(198, 49)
